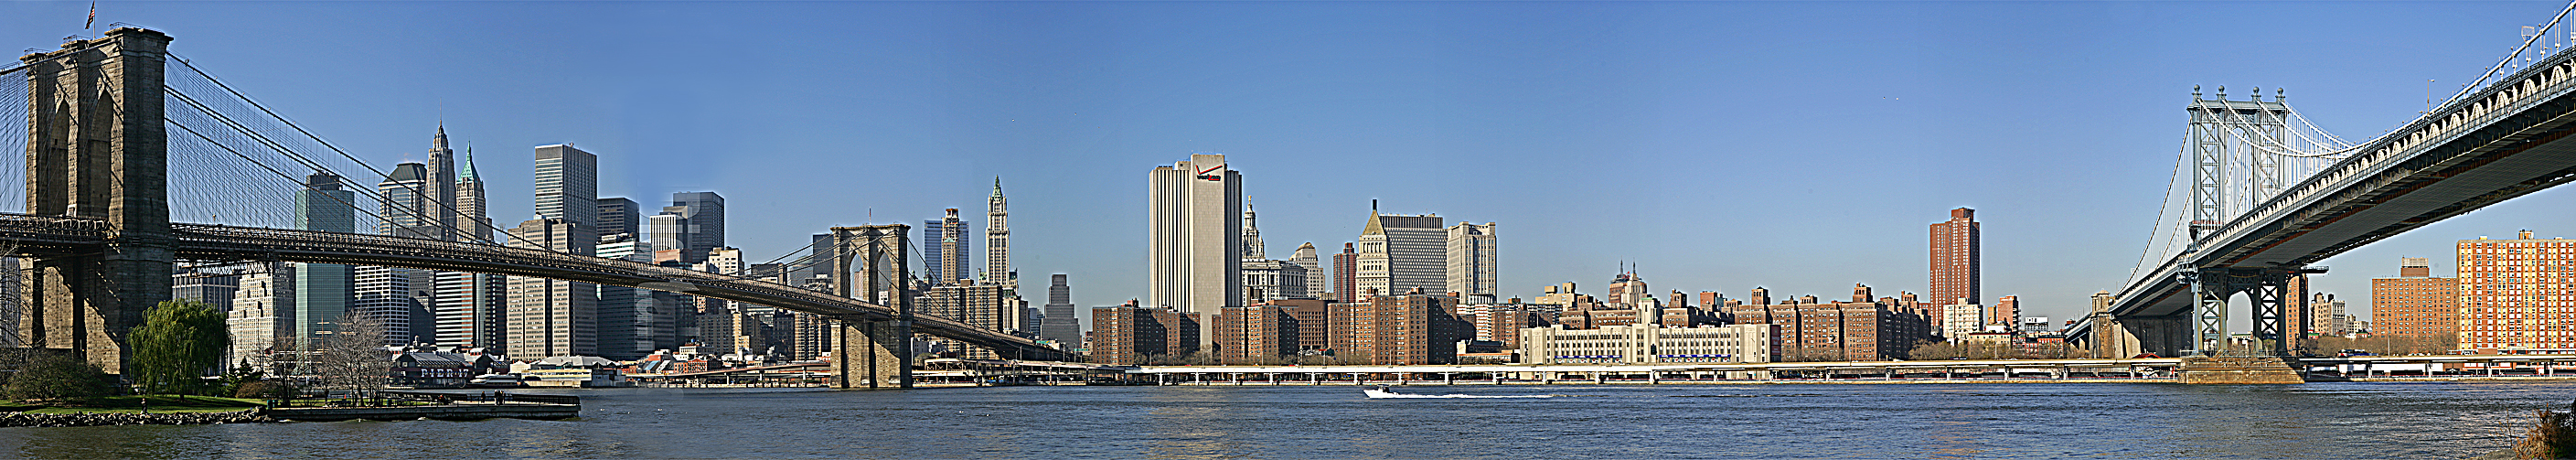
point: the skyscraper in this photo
(632, 321)
(1196, 250)
(1472, 258)
(470, 306)
(1060, 325)
(1402, 252)
(262, 313)
(1955, 262)
(322, 291)
(1252, 247)
(473, 212)
(549, 317)
(693, 224)
(568, 186)
(945, 252)
(440, 216)
(400, 299)
(620, 216)
(1315, 284)
(407, 204)
(997, 241)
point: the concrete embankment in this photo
(18, 419)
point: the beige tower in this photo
(1196, 250)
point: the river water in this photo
(2318, 420)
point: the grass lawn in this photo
(160, 404)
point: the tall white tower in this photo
(1196, 251)
(997, 240)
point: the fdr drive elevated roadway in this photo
(2505, 141)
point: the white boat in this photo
(1381, 392)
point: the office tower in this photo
(1305, 258)
(1060, 324)
(945, 252)
(473, 211)
(2415, 305)
(407, 204)
(440, 216)
(1955, 261)
(2512, 295)
(997, 241)
(1472, 257)
(620, 216)
(1627, 289)
(1402, 252)
(568, 187)
(632, 321)
(693, 224)
(1268, 280)
(549, 317)
(394, 298)
(975, 304)
(1346, 275)
(322, 291)
(262, 312)
(1196, 250)
(470, 306)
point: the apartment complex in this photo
(2415, 304)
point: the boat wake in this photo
(1383, 394)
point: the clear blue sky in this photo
(1722, 146)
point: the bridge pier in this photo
(96, 149)
(879, 349)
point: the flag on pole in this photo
(93, 16)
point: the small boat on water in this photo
(1381, 392)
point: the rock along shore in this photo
(19, 419)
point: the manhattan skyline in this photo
(1682, 137)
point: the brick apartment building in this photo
(1861, 329)
(2415, 304)
(1130, 334)
(1408, 329)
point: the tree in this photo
(352, 357)
(180, 341)
(59, 377)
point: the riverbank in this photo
(30, 419)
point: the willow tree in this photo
(180, 341)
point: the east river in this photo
(2318, 420)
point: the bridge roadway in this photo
(40, 235)
(2505, 141)
(1539, 371)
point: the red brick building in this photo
(2415, 304)
(1131, 335)
(1872, 330)
(1255, 335)
(1407, 329)
(1955, 261)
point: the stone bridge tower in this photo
(95, 149)
(869, 264)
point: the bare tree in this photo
(352, 357)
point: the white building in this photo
(1957, 321)
(1646, 343)
(1195, 253)
(1472, 260)
(1315, 274)
(262, 313)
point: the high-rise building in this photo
(322, 291)
(211, 288)
(473, 211)
(1060, 325)
(1305, 258)
(1252, 247)
(2326, 316)
(2005, 314)
(619, 216)
(1402, 252)
(262, 313)
(568, 186)
(1267, 280)
(1346, 274)
(1257, 334)
(400, 300)
(1196, 250)
(2415, 305)
(407, 205)
(469, 306)
(1627, 289)
(2514, 295)
(979, 305)
(946, 252)
(441, 217)
(633, 321)
(1472, 261)
(693, 225)
(1838, 331)
(1955, 261)
(997, 241)
(550, 317)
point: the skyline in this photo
(1725, 230)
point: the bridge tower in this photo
(878, 348)
(95, 149)
(2228, 134)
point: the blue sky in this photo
(1798, 146)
